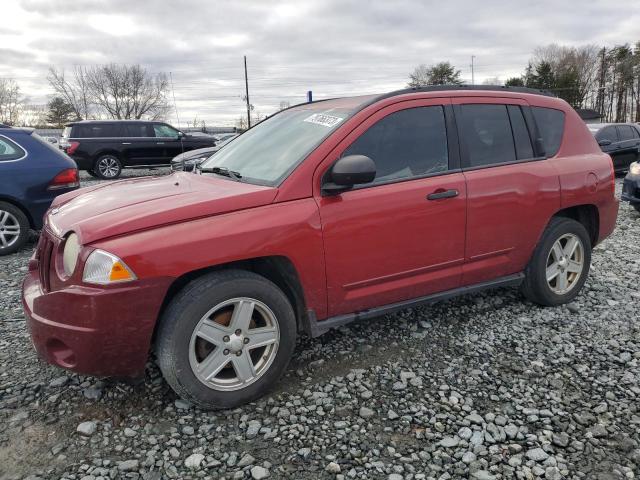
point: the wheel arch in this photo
(586, 214)
(278, 269)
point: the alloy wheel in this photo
(108, 167)
(9, 229)
(565, 264)
(234, 344)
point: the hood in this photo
(125, 206)
(198, 152)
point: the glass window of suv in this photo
(625, 132)
(607, 133)
(486, 131)
(10, 150)
(164, 131)
(137, 130)
(521, 138)
(551, 127)
(99, 130)
(404, 144)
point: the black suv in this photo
(620, 140)
(104, 148)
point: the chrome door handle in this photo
(160, 143)
(126, 143)
(440, 194)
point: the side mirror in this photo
(347, 172)
(604, 142)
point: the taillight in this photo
(65, 179)
(72, 147)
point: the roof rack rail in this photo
(440, 88)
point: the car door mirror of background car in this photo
(604, 142)
(347, 172)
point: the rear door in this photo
(609, 143)
(139, 145)
(511, 190)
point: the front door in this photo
(393, 239)
(168, 142)
(627, 147)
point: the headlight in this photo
(103, 268)
(634, 168)
(70, 254)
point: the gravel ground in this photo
(484, 387)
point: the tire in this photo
(187, 360)
(92, 173)
(107, 167)
(14, 228)
(636, 206)
(574, 270)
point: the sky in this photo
(332, 47)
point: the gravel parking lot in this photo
(485, 387)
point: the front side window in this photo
(404, 144)
(165, 131)
(551, 127)
(9, 150)
(486, 131)
(626, 132)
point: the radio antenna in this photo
(175, 105)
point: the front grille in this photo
(45, 250)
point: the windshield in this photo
(267, 153)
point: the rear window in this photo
(66, 133)
(10, 150)
(551, 127)
(98, 130)
(137, 130)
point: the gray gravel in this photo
(485, 387)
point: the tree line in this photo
(606, 80)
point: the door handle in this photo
(160, 143)
(440, 194)
(126, 143)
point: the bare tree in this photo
(73, 89)
(11, 101)
(129, 91)
(442, 73)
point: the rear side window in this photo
(626, 132)
(486, 131)
(10, 150)
(137, 130)
(98, 130)
(404, 144)
(607, 133)
(551, 127)
(521, 138)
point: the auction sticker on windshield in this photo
(323, 119)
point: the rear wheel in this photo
(92, 173)
(560, 264)
(107, 167)
(226, 339)
(14, 228)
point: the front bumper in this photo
(631, 189)
(90, 330)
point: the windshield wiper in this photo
(221, 171)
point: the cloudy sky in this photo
(332, 47)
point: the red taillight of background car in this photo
(72, 147)
(65, 179)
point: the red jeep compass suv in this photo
(324, 213)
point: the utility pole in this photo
(246, 87)
(473, 80)
(600, 97)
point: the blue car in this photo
(32, 174)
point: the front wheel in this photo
(560, 264)
(226, 339)
(107, 167)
